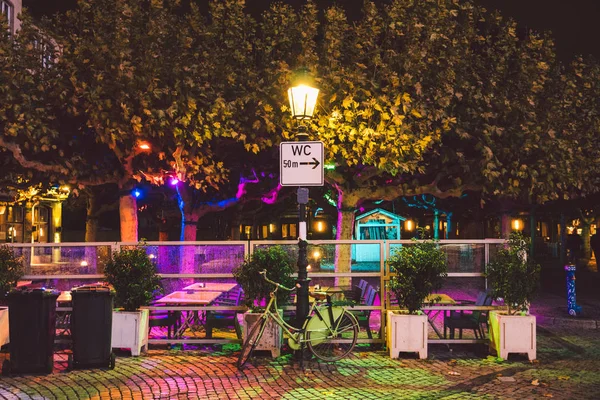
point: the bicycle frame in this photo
(297, 334)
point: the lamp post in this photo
(303, 98)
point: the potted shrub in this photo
(514, 277)
(420, 269)
(280, 267)
(11, 270)
(133, 275)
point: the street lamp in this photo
(303, 98)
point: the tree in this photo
(434, 98)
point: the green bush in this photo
(133, 275)
(279, 266)
(11, 270)
(512, 275)
(420, 270)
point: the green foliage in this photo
(420, 269)
(279, 266)
(133, 275)
(11, 269)
(512, 275)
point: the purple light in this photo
(174, 181)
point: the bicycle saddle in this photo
(319, 295)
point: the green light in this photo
(329, 166)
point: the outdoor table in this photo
(439, 299)
(211, 286)
(189, 298)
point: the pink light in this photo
(174, 181)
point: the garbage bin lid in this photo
(28, 290)
(94, 287)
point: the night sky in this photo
(574, 23)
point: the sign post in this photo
(301, 164)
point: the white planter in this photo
(130, 330)
(4, 339)
(512, 334)
(406, 333)
(271, 338)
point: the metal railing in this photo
(64, 265)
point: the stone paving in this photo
(568, 367)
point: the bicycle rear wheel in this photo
(251, 342)
(334, 344)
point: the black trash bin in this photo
(91, 326)
(32, 327)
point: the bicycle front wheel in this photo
(251, 342)
(336, 340)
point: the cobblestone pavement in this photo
(568, 367)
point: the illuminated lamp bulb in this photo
(316, 254)
(137, 193)
(308, 267)
(320, 226)
(144, 146)
(151, 256)
(84, 263)
(174, 181)
(517, 225)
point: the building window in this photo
(40, 224)
(289, 231)
(11, 224)
(7, 9)
(43, 48)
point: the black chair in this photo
(225, 318)
(165, 319)
(363, 316)
(474, 320)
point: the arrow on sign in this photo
(315, 162)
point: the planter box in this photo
(130, 330)
(406, 333)
(271, 338)
(4, 339)
(512, 334)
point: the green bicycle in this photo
(330, 332)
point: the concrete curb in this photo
(568, 322)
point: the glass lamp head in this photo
(303, 99)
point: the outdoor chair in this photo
(363, 316)
(474, 320)
(225, 318)
(164, 319)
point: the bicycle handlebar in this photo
(279, 285)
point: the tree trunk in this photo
(533, 231)
(585, 236)
(128, 216)
(505, 226)
(91, 220)
(189, 228)
(563, 239)
(343, 252)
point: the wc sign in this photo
(301, 164)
